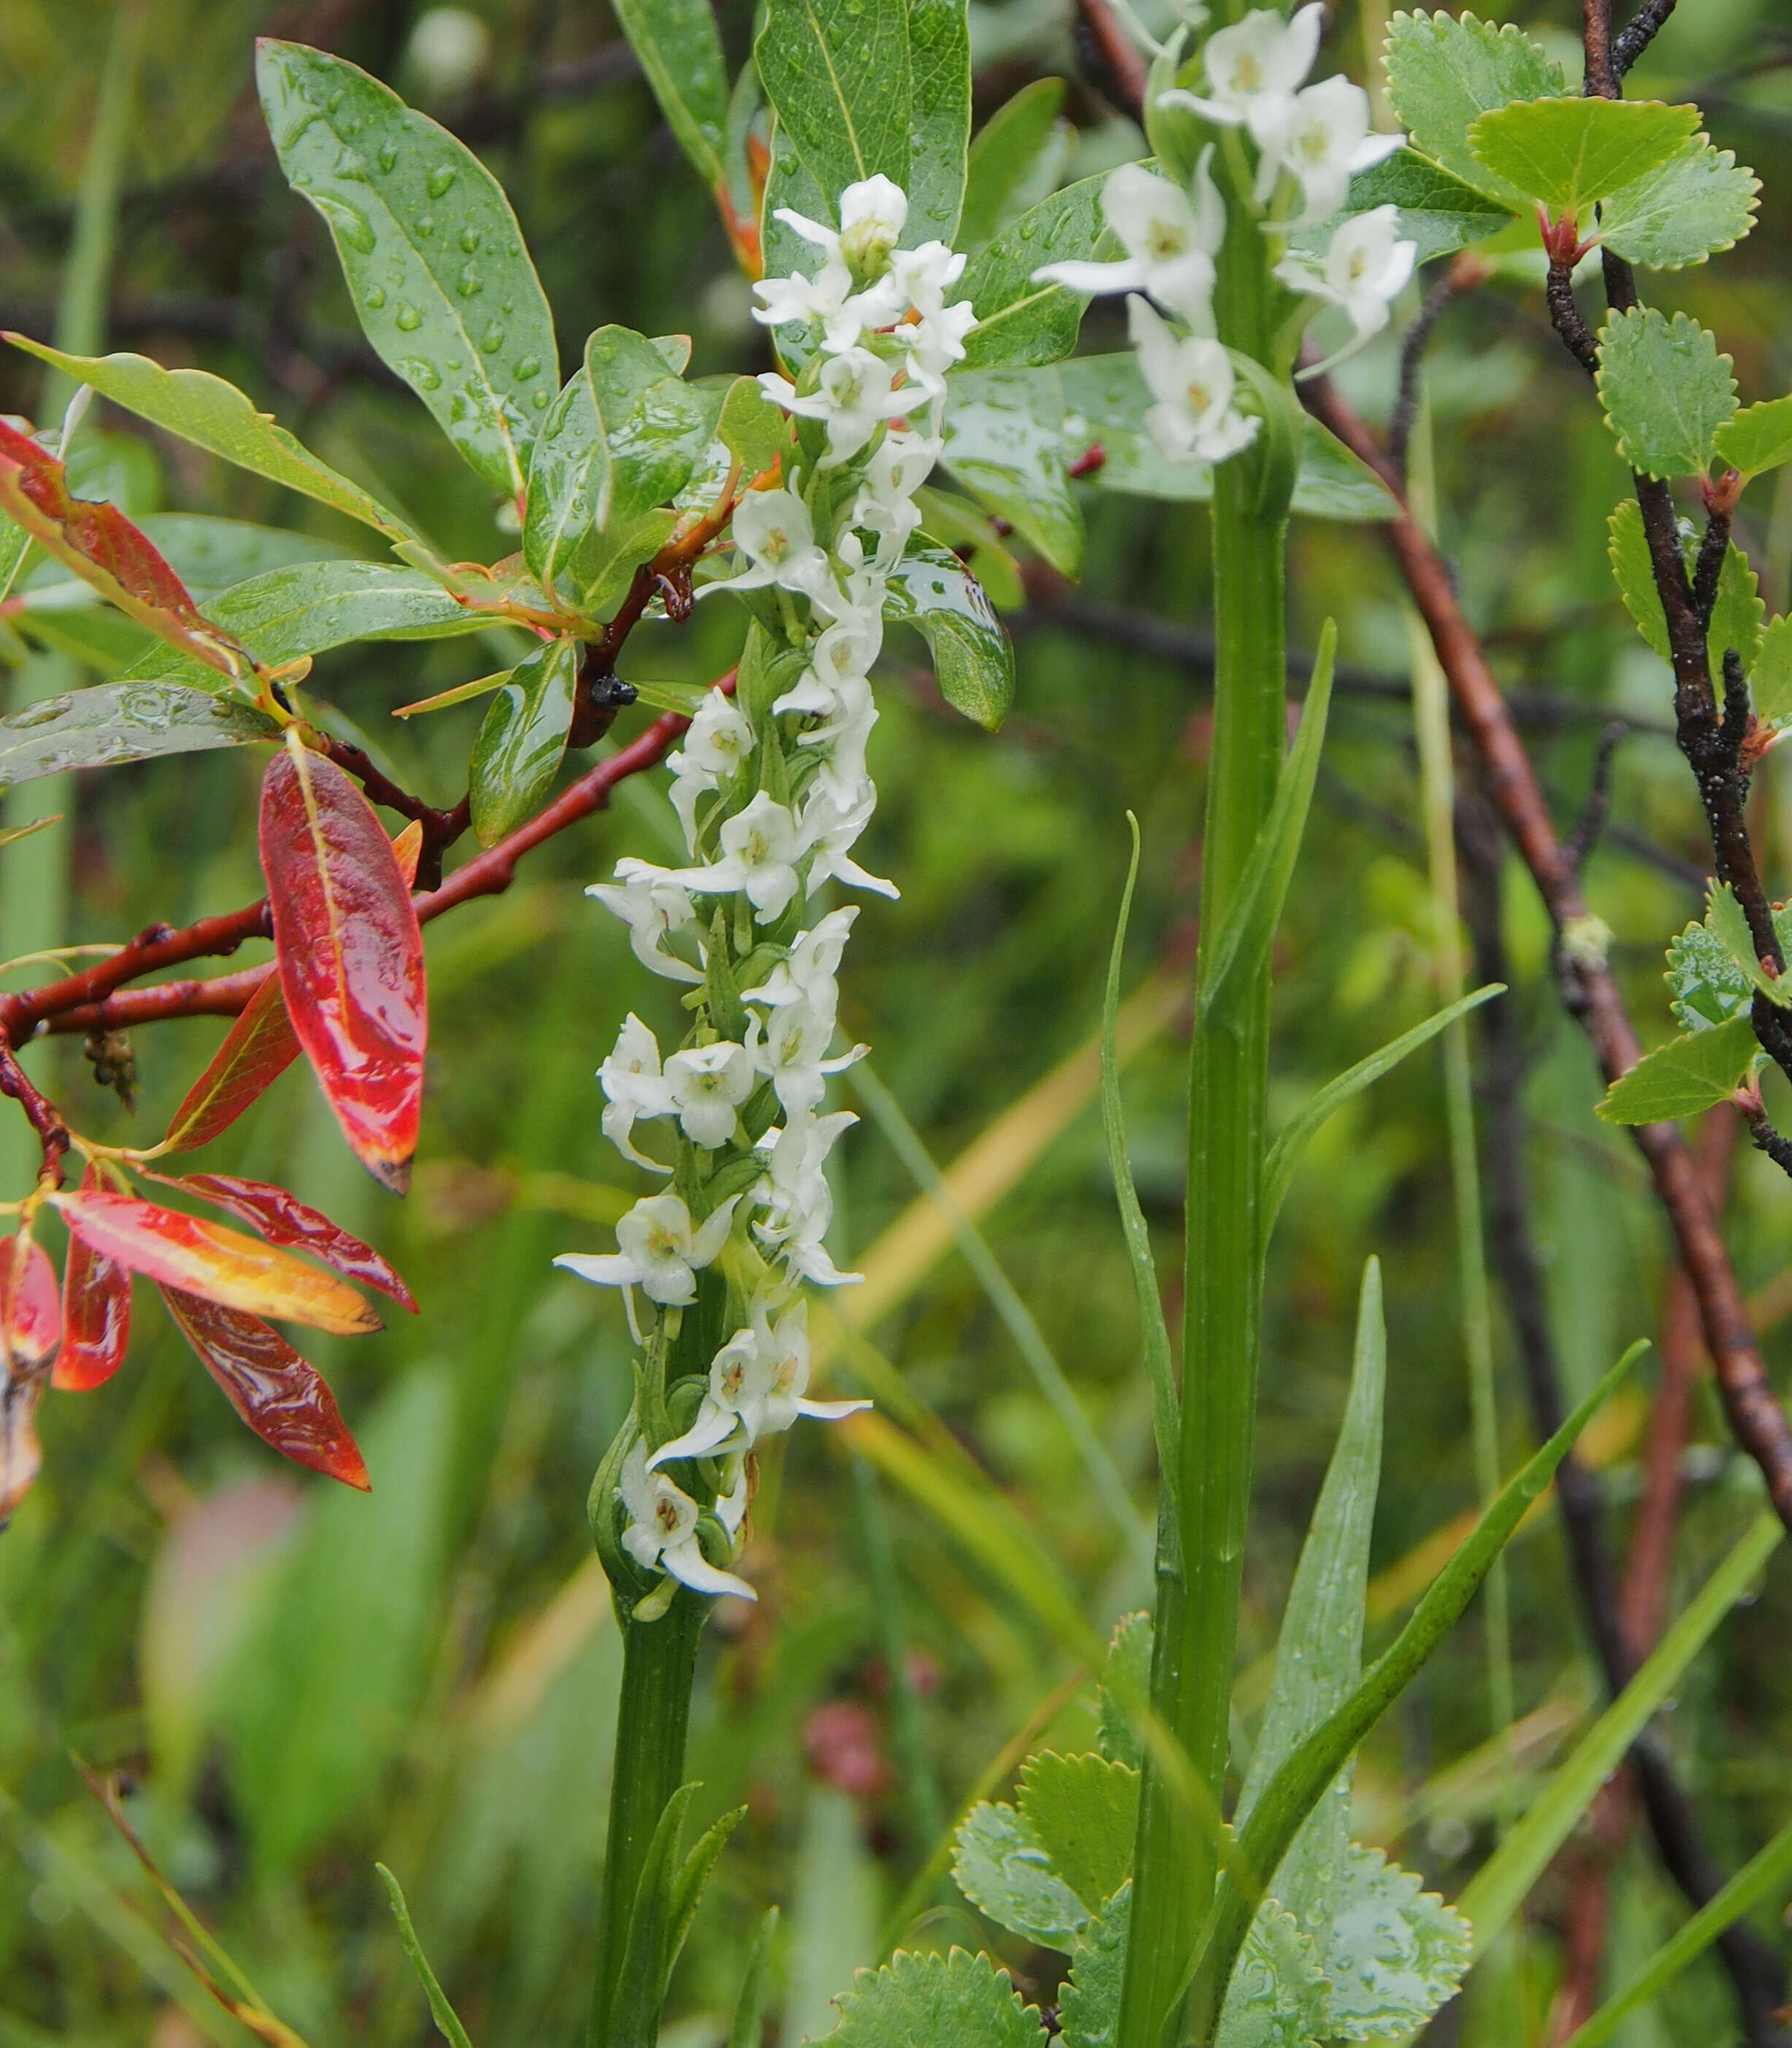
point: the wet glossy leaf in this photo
(122, 721)
(681, 54)
(1442, 73)
(1001, 1865)
(755, 432)
(259, 1047)
(1089, 1999)
(1020, 322)
(442, 284)
(1004, 443)
(1438, 212)
(278, 1394)
(973, 659)
(350, 954)
(313, 607)
(1276, 1997)
(1396, 1951)
(105, 549)
(939, 119)
(213, 555)
(281, 1218)
(523, 740)
(220, 1264)
(1568, 153)
(96, 1309)
(1021, 142)
(1083, 1811)
(1698, 205)
(1665, 391)
(569, 482)
(927, 2001)
(30, 1305)
(215, 415)
(1684, 1076)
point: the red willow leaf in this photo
(350, 955)
(407, 850)
(278, 1394)
(260, 1047)
(217, 1264)
(30, 1305)
(102, 546)
(96, 1309)
(283, 1219)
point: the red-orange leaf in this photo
(350, 953)
(407, 850)
(102, 546)
(217, 1264)
(260, 1048)
(30, 1305)
(95, 1310)
(283, 1219)
(277, 1393)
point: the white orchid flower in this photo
(633, 1087)
(842, 652)
(773, 529)
(1254, 68)
(794, 1193)
(658, 1249)
(1366, 268)
(791, 1055)
(841, 742)
(1192, 380)
(853, 396)
(831, 830)
(651, 901)
(852, 290)
(934, 337)
(808, 975)
(662, 1527)
(759, 1386)
(1170, 242)
(708, 1084)
(719, 740)
(760, 847)
(1325, 137)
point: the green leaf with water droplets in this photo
(1684, 1077)
(1083, 1811)
(1437, 212)
(1396, 1952)
(1020, 321)
(973, 658)
(1004, 443)
(568, 482)
(1665, 391)
(522, 740)
(1699, 204)
(939, 119)
(1001, 1865)
(1276, 1997)
(933, 2001)
(681, 54)
(755, 432)
(122, 721)
(441, 282)
(1443, 73)
(1126, 1675)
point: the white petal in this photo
(687, 1564)
(713, 1233)
(602, 1270)
(712, 1428)
(831, 1411)
(1096, 278)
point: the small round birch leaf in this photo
(1568, 153)
(1686, 1075)
(932, 2001)
(1697, 204)
(1665, 390)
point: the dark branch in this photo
(1638, 33)
(1591, 823)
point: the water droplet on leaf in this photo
(439, 180)
(530, 366)
(492, 340)
(408, 317)
(425, 226)
(388, 155)
(422, 374)
(374, 298)
(468, 283)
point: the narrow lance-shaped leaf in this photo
(259, 1047)
(214, 415)
(30, 1305)
(1018, 142)
(217, 1264)
(522, 740)
(350, 955)
(447, 2019)
(282, 1219)
(681, 53)
(747, 2030)
(836, 72)
(104, 549)
(278, 1394)
(109, 723)
(95, 1308)
(441, 282)
(1244, 943)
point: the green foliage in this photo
(448, 2021)
(442, 284)
(1019, 144)
(113, 722)
(747, 2030)
(1567, 153)
(1738, 614)
(921, 2001)
(521, 743)
(1628, 552)
(1089, 2001)
(681, 53)
(1276, 1997)
(1396, 1952)
(1020, 321)
(1685, 1076)
(1004, 443)
(1665, 391)
(973, 660)
(1001, 1867)
(1758, 438)
(1728, 923)
(1697, 204)
(1438, 212)
(1127, 1674)
(1443, 73)
(1769, 680)
(1082, 1811)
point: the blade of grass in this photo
(908, 1739)
(448, 2021)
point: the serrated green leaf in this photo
(1697, 204)
(522, 740)
(122, 721)
(928, 2001)
(1395, 1954)
(1706, 982)
(1628, 550)
(1443, 73)
(1319, 1647)
(973, 657)
(681, 53)
(1438, 212)
(837, 75)
(1129, 1661)
(1770, 681)
(313, 606)
(1277, 1995)
(1758, 438)
(1684, 1076)
(1728, 923)
(1007, 156)
(939, 119)
(1568, 153)
(1004, 443)
(1665, 391)
(1089, 2003)
(755, 432)
(1001, 1865)
(214, 415)
(1738, 614)
(441, 282)
(1083, 1811)
(1019, 322)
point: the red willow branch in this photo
(1588, 991)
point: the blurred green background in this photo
(298, 1680)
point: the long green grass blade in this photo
(748, 2029)
(1494, 1893)
(1244, 944)
(1299, 1784)
(448, 2022)
(1284, 1154)
(1154, 1333)
(1759, 1879)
